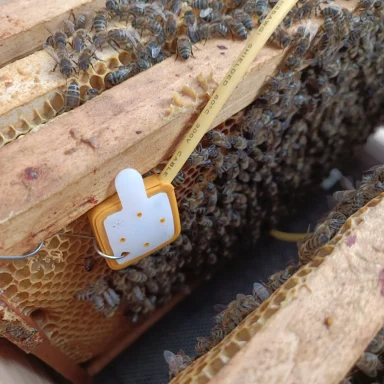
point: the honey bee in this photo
(184, 47)
(260, 292)
(200, 156)
(376, 346)
(282, 37)
(179, 179)
(78, 40)
(175, 7)
(218, 138)
(170, 27)
(242, 16)
(60, 55)
(369, 364)
(260, 7)
(308, 248)
(238, 29)
(123, 37)
(85, 58)
(204, 344)
(144, 23)
(279, 278)
(177, 363)
(72, 96)
(136, 276)
(100, 23)
(90, 94)
(120, 75)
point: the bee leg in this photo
(98, 58)
(54, 68)
(177, 54)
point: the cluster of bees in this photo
(156, 30)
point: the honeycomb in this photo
(207, 366)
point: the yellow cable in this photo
(286, 236)
(226, 87)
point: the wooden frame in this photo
(129, 129)
(339, 301)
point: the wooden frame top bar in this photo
(23, 23)
(51, 177)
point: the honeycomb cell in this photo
(83, 90)
(48, 112)
(113, 63)
(125, 58)
(54, 242)
(37, 276)
(11, 290)
(57, 101)
(9, 133)
(5, 280)
(23, 126)
(101, 68)
(243, 335)
(39, 316)
(84, 78)
(97, 83)
(22, 273)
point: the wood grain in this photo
(23, 23)
(52, 176)
(317, 337)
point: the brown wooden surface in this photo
(317, 337)
(131, 129)
(23, 23)
(16, 367)
(119, 345)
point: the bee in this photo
(212, 197)
(218, 138)
(205, 221)
(377, 344)
(279, 278)
(242, 16)
(204, 344)
(369, 364)
(308, 248)
(260, 292)
(136, 276)
(90, 94)
(179, 179)
(60, 55)
(85, 59)
(200, 156)
(260, 7)
(118, 76)
(353, 38)
(72, 96)
(238, 29)
(123, 37)
(270, 97)
(184, 47)
(175, 7)
(190, 19)
(78, 40)
(170, 27)
(113, 6)
(145, 23)
(100, 23)
(282, 37)
(177, 363)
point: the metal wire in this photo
(103, 254)
(97, 249)
(23, 256)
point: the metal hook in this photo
(23, 256)
(103, 254)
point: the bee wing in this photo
(156, 7)
(155, 51)
(69, 28)
(51, 52)
(169, 356)
(220, 307)
(133, 36)
(205, 12)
